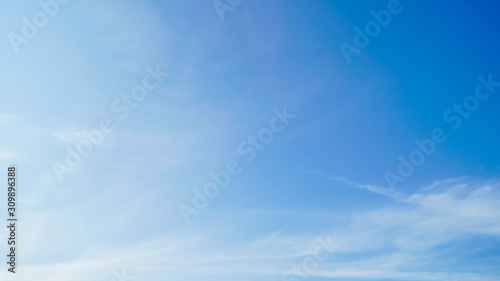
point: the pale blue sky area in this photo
(375, 125)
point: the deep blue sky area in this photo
(252, 140)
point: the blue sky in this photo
(323, 176)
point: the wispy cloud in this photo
(372, 188)
(390, 243)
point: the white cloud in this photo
(391, 243)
